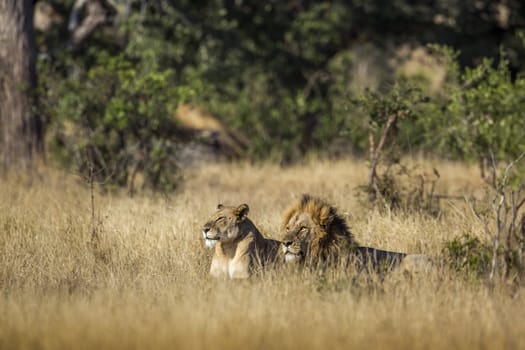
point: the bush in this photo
(261, 69)
(468, 254)
(116, 118)
(483, 114)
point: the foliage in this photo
(384, 114)
(508, 233)
(479, 118)
(283, 72)
(116, 118)
(485, 109)
(504, 224)
(468, 254)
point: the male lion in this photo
(316, 234)
(239, 247)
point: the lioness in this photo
(316, 234)
(239, 247)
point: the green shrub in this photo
(117, 118)
(468, 254)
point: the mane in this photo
(324, 215)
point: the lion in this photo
(240, 249)
(317, 235)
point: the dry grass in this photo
(147, 284)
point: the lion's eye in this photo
(221, 219)
(302, 229)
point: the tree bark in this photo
(20, 127)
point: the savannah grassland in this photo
(146, 285)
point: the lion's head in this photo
(224, 224)
(314, 231)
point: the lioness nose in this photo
(287, 243)
(206, 229)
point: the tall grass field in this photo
(146, 284)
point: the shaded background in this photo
(145, 88)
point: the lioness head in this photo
(314, 230)
(223, 225)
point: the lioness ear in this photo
(241, 211)
(220, 206)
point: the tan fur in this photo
(316, 233)
(45, 16)
(240, 249)
(195, 118)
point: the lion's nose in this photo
(287, 243)
(206, 230)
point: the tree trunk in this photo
(20, 127)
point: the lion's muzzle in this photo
(292, 253)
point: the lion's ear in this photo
(305, 198)
(325, 217)
(220, 206)
(241, 211)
